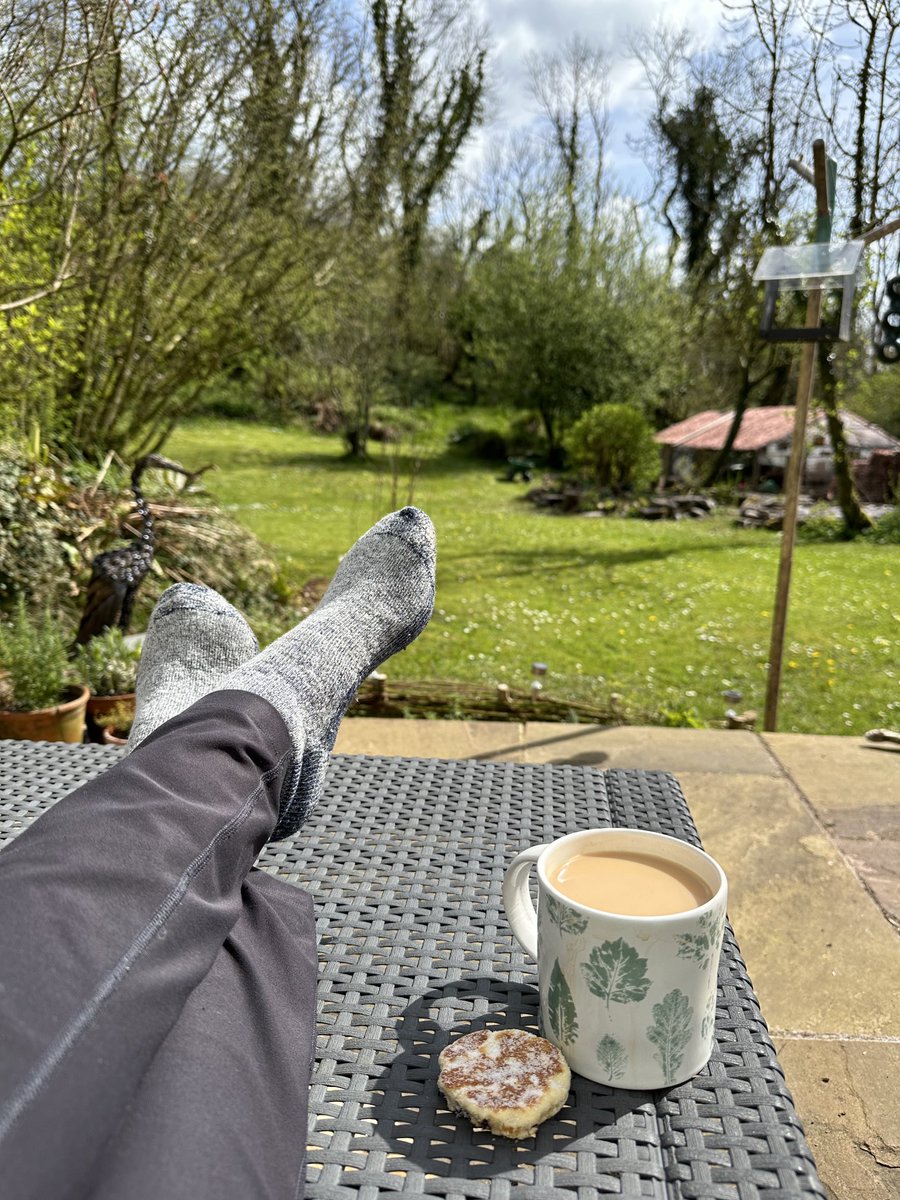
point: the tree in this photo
(189, 124)
(876, 398)
(351, 336)
(723, 186)
(835, 57)
(426, 68)
(52, 56)
(570, 88)
(566, 304)
(556, 337)
(709, 167)
(854, 68)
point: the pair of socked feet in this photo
(379, 600)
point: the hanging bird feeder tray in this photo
(817, 266)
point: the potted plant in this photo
(114, 726)
(37, 701)
(108, 665)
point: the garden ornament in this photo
(117, 574)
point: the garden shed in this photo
(763, 445)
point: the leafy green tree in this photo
(876, 398)
(189, 221)
(556, 338)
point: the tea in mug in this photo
(630, 884)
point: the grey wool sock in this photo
(194, 639)
(379, 600)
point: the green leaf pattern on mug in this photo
(616, 972)
(706, 1025)
(702, 946)
(561, 1007)
(564, 918)
(671, 1031)
(612, 1057)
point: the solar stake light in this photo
(818, 266)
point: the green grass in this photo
(667, 614)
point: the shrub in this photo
(35, 562)
(106, 665)
(118, 720)
(34, 661)
(389, 423)
(820, 526)
(614, 444)
(886, 529)
(488, 445)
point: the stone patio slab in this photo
(846, 1093)
(649, 748)
(870, 840)
(431, 739)
(821, 954)
(838, 772)
(854, 787)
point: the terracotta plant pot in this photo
(99, 707)
(64, 723)
(112, 739)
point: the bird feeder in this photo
(816, 267)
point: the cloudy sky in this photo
(519, 27)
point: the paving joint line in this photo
(806, 1035)
(825, 831)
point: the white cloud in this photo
(520, 27)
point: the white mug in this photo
(630, 1001)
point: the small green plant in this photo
(33, 662)
(681, 718)
(107, 665)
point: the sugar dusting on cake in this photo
(500, 1069)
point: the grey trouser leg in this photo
(221, 1113)
(114, 907)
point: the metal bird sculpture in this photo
(117, 574)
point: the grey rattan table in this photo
(405, 859)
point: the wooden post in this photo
(795, 464)
(789, 527)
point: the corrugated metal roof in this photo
(761, 426)
(862, 434)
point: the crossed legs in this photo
(133, 943)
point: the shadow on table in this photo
(411, 1114)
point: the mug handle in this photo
(517, 899)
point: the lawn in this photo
(667, 614)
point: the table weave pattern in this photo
(405, 860)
